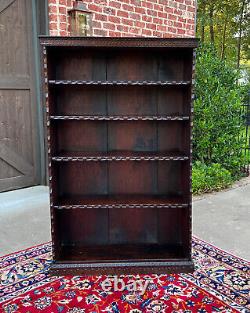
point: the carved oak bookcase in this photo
(119, 119)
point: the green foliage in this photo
(218, 123)
(225, 24)
(210, 177)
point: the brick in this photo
(172, 30)
(140, 24)
(177, 24)
(182, 6)
(53, 25)
(135, 16)
(161, 28)
(63, 33)
(122, 28)
(127, 7)
(152, 12)
(122, 13)
(62, 10)
(180, 31)
(115, 4)
(114, 19)
(140, 10)
(53, 9)
(109, 11)
(114, 34)
(96, 24)
(172, 17)
(100, 32)
(127, 22)
(148, 5)
(137, 3)
(157, 20)
(100, 17)
(169, 10)
(94, 7)
(147, 32)
(53, 17)
(191, 9)
(63, 26)
(63, 18)
(151, 26)
(164, 2)
(162, 14)
(158, 7)
(109, 26)
(147, 18)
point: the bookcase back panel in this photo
(83, 227)
(93, 227)
(133, 226)
(83, 65)
(77, 179)
(123, 100)
(170, 225)
(121, 136)
(132, 135)
(117, 64)
(81, 136)
(80, 100)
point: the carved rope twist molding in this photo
(125, 83)
(104, 159)
(119, 118)
(121, 206)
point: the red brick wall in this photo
(150, 18)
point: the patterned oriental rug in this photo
(220, 283)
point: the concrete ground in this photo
(222, 219)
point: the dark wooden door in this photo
(19, 146)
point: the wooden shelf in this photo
(120, 82)
(132, 252)
(121, 201)
(118, 118)
(119, 156)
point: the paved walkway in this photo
(222, 219)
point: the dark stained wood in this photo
(19, 161)
(119, 138)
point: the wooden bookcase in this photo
(119, 117)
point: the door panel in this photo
(18, 128)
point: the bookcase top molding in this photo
(133, 42)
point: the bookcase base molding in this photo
(112, 268)
(119, 129)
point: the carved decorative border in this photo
(119, 118)
(119, 82)
(120, 42)
(118, 158)
(123, 206)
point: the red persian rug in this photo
(220, 283)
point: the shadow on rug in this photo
(220, 283)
